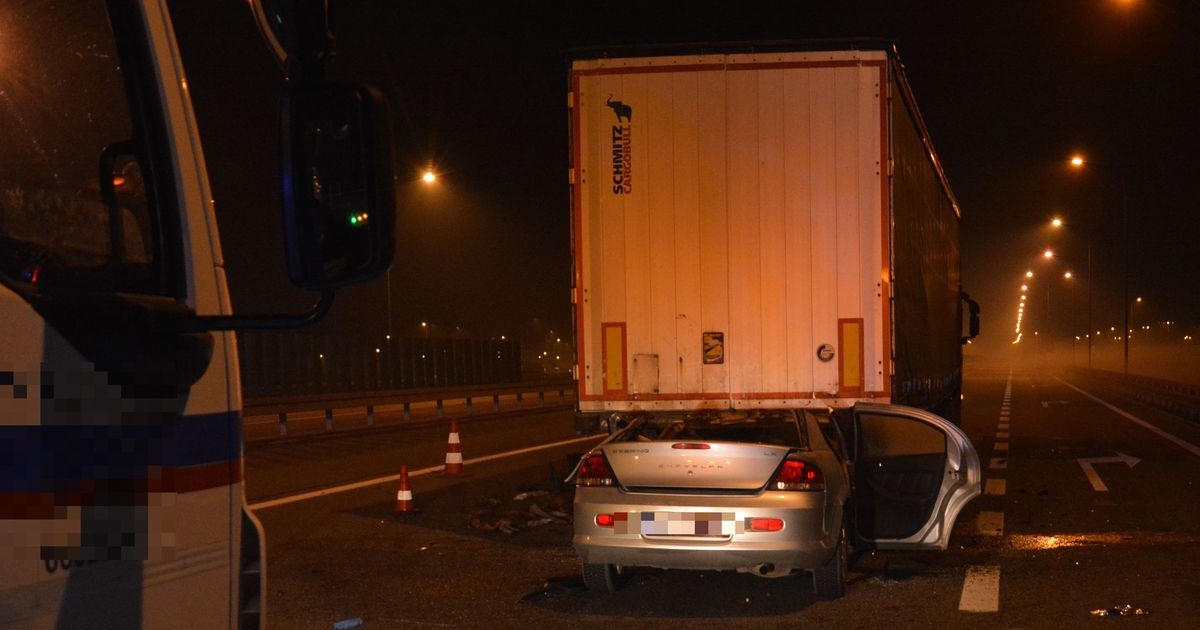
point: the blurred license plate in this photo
(678, 523)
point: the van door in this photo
(913, 473)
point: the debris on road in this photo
(492, 515)
(1128, 610)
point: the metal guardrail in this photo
(1178, 398)
(281, 407)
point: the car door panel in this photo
(914, 471)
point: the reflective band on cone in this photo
(454, 458)
(404, 495)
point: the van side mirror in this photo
(338, 192)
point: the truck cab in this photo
(121, 498)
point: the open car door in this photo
(913, 473)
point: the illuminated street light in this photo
(1048, 254)
(429, 176)
(1056, 222)
(1028, 274)
(1068, 275)
(1024, 287)
(1078, 162)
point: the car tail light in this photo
(798, 475)
(764, 524)
(606, 520)
(594, 471)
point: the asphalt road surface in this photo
(1091, 503)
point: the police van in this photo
(121, 497)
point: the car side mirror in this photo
(338, 192)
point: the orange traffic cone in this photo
(404, 495)
(454, 459)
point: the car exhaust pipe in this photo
(765, 570)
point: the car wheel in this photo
(601, 578)
(829, 581)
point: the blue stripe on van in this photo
(61, 458)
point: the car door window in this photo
(898, 474)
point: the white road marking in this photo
(1001, 446)
(1002, 435)
(981, 590)
(1087, 464)
(296, 498)
(990, 524)
(995, 486)
(998, 463)
(1185, 445)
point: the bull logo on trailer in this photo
(622, 147)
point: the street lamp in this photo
(1078, 162)
(1057, 223)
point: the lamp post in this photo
(1078, 162)
(1057, 224)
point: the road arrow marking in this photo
(1047, 403)
(1087, 463)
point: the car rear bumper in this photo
(807, 540)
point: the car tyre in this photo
(601, 578)
(829, 581)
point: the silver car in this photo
(768, 491)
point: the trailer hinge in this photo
(571, 176)
(570, 100)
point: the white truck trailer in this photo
(763, 226)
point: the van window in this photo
(64, 112)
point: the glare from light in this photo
(1056, 222)
(429, 176)
(1077, 161)
(1139, 300)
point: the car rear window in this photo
(777, 428)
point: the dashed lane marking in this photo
(990, 524)
(981, 590)
(981, 586)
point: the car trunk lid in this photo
(692, 465)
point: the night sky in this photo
(1008, 90)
